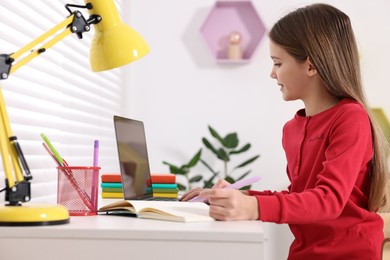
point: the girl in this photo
(336, 154)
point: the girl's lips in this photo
(281, 86)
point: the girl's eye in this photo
(277, 64)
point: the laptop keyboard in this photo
(161, 199)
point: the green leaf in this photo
(176, 170)
(229, 179)
(209, 146)
(210, 182)
(209, 167)
(230, 141)
(248, 187)
(169, 164)
(247, 162)
(221, 154)
(243, 149)
(215, 134)
(181, 186)
(244, 175)
(195, 159)
(196, 178)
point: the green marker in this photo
(52, 149)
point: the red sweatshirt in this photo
(328, 157)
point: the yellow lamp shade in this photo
(114, 44)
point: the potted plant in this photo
(224, 149)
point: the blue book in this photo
(164, 186)
(111, 185)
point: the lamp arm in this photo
(75, 23)
(18, 185)
(35, 52)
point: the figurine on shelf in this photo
(234, 51)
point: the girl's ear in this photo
(311, 69)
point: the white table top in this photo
(125, 227)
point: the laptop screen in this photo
(133, 158)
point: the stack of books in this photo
(164, 185)
(161, 185)
(111, 186)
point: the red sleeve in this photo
(346, 155)
(265, 192)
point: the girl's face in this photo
(290, 74)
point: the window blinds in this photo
(57, 94)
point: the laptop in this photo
(133, 159)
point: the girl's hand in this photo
(220, 184)
(195, 192)
(191, 194)
(230, 204)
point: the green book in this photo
(112, 190)
(174, 191)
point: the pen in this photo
(95, 153)
(95, 173)
(68, 174)
(237, 185)
(51, 154)
(53, 150)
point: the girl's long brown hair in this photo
(324, 34)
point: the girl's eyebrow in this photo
(275, 58)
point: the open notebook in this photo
(160, 210)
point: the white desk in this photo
(115, 238)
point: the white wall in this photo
(178, 89)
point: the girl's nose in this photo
(273, 74)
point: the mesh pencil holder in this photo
(77, 189)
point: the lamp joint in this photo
(5, 65)
(87, 6)
(79, 25)
(94, 19)
(19, 193)
(14, 141)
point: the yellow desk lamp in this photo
(113, 45)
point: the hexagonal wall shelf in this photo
(226, 18)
